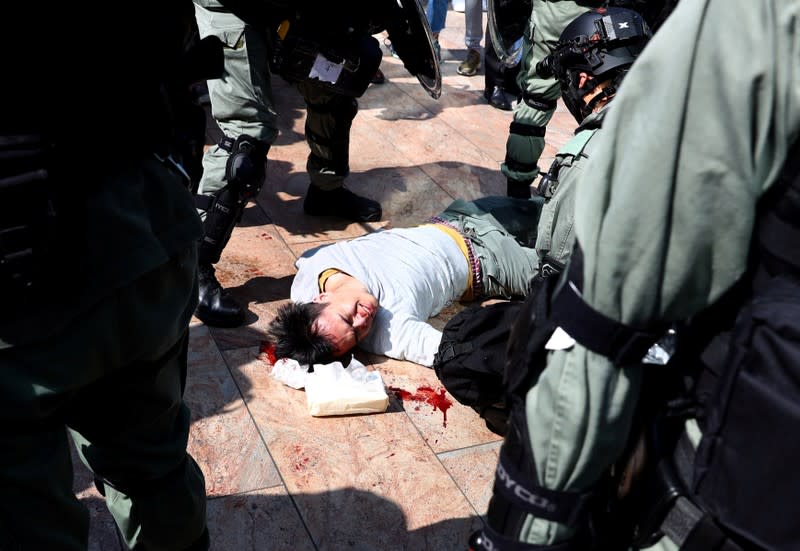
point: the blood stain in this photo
(268, 349)
(428, 395)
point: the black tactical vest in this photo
(738, 490)
(745, 465)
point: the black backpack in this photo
(471, 359)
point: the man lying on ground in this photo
(378, 291)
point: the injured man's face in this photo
(347, 317)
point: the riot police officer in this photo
(539, 93)
(98, 263)
(688, 209)
(589, 62)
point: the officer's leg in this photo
(242, 105)
(526, 135)
(223, 209)
(131, 427)
(38, 509)
(567, 429)
(153, 488)
(84, 376)
(496, 78)
(329, 118)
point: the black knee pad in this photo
(246, 166)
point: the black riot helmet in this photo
(603, 43)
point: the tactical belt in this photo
(693, 530)
(550, 267)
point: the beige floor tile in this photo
(444, 423)
(255, 521)
(473, 470)
(376, 467)
(223, 438)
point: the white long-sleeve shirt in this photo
(413, 272)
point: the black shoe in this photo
(378, 77)
(497, 98)
(216, 307)
(341, 202)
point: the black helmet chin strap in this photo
(589, 87)
(606, 93)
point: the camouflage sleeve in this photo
(689, 145)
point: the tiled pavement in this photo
(415, 477)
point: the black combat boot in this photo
(341, 202)
(216, 307)
(497, 98)
(520, 190)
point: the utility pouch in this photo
(346, 68)
(27, 218)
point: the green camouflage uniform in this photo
(556, 230)
(665, 212)
(526, 139)
(99, 354)
(242, 103)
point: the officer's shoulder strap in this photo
(576, 145)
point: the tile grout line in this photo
(266, 446)
(449, 126)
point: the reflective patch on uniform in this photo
(559, 340)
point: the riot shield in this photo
(507, 22)
(411, 38)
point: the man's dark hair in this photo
(293, 334)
